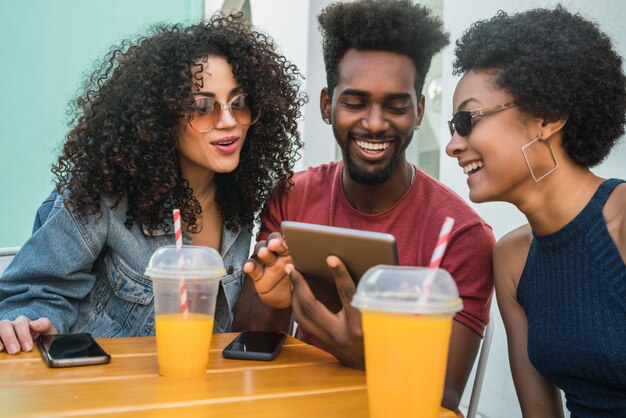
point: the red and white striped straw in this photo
(442, 242)
(178, 232)
(435, 260)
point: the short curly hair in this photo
(124, 126)
(397, 26)
(556, 65)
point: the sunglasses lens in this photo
(462, 122)
(207, 112)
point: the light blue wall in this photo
(45, 49)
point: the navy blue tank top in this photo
(573, 290)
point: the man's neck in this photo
(377, 198)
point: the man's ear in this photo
(421, 103)
(326, 106)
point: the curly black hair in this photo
(397, 26)
(556, 65)
(123, 139)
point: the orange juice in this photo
(405, 356)
(183, 343)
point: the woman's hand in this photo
(18, 335)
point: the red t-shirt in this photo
(415, 221)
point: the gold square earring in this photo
(532, 173)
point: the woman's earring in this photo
(417, 127)
(554, 161)
(327, 120)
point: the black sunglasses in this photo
(463, 120)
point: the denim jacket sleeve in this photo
(52, 272)
(45, 210)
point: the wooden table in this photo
(302, 381)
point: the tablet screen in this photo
(310, 244)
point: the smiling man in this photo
(377, 54)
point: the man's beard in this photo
(380, 175)
(369, 178)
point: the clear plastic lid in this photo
(412, 290)
(197, 263)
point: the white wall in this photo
(319, 145)
(287, 22)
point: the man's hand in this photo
(18, 335)
(266, 267)
(341, 333)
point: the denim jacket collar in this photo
(228, 236)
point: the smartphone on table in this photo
(255, 345)
(68, 350)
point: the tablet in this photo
(310, 244)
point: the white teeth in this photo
(225, 143)
(373, 146)
(474, 165)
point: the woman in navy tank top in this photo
(541, 101)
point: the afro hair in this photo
(556, 65)
(397, 26)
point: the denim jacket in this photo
(88, 275)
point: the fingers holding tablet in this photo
(346, 289)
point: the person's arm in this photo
(537, 396)
(341, 334)
(614, 212)
(42, 287)
(44, 211)
(264, 303)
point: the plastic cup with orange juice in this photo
(406, 338)
(184, 335)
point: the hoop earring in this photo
(532, 173)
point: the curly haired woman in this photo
(541, 101)
(200, 118)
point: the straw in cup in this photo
(178, 232)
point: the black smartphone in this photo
(67, 350)
(255, 345)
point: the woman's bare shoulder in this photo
(509, 254)
(615, 206)
(615, 216)
(518, 237)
